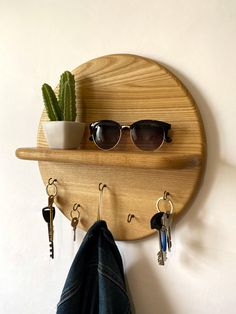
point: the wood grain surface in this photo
(127, 88)
(111, 158)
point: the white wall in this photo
(196, 40)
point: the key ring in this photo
(166, 199)
(75, 209)
(51, 182)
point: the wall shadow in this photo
(194, 217)
(212, 139)
(147, 293)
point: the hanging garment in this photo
(95, 283)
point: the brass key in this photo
(48, 215)
(75, 215)
(74, 223)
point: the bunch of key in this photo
(48, 215)
(162, 221)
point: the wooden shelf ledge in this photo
(111, 158)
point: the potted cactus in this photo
(62, 131)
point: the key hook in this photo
(76, 206)
(165, 195)
(101, 187)
(130, 217)
(51, 181)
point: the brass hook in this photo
(75, 207)
(100, 188)
(165, 195)
(51, 181)
(130, 217)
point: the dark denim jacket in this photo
(95, 283)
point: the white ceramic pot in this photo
(63, 134)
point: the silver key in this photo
(168, 222)
(162, 233)
(160, 254)
(157, 223)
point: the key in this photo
(168, 221)
(47, 212)
(164, 221)
(74, 223)
(157, 223)
(161, 255)
(50, 205)
(48, 215)
(163, 236)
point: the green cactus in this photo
(69, 113)
(65, 106)
(51, 103)
(67, 83)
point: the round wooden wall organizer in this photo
(127, 88)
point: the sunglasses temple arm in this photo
(91, 132)
(167, 138)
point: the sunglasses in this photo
(145, 134)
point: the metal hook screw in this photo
(165, 195)
(101, 186)
(52, 181)
(130, 217)
(76, 206)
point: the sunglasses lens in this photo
(106, 134)
(147, 135)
